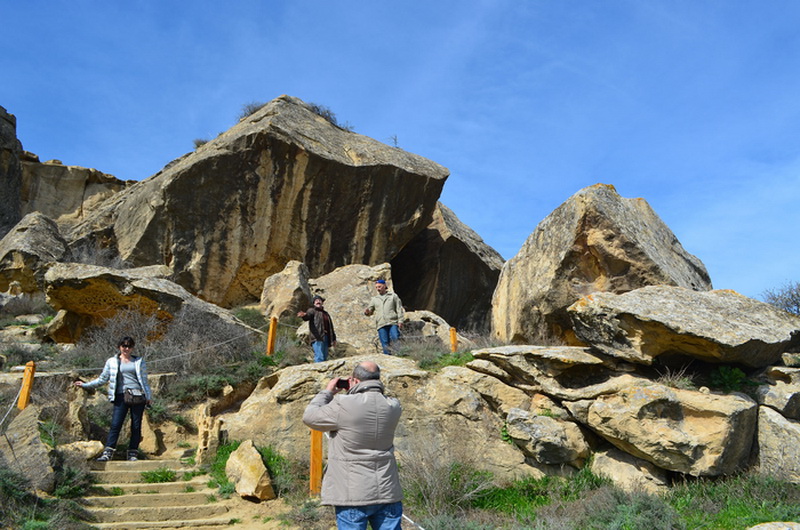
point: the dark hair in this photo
(126, 341)
(363, 374)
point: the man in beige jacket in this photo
(361, 480)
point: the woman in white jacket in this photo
(124, 371)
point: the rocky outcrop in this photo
(595, 241)
(64, 193)
(715, 326)
(781, 391)
(26, 249)
(284, 184)
(92, 294)
(434, 407)
(628, 472)
(449, 270)
(10, 172)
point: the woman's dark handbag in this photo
(134, 397)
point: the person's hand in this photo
(333, 344)
(301, 314)
(78, 383)
(332, 385)
(368, 311)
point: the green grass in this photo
(161, 474)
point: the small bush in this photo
(199, 142)
(250, 108)
(252, 317)
(288, 478)
(786, 297)
(679, 378)
(730, 379)
(327, 113)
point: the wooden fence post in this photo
(27, 384)
(273, 330)
(453, 340)
(315, 473)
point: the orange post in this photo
(27, 384)
(273, 330)
(315, 473)
(453, 340)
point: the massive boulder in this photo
(449, 270)
(10, 172)
(26, 249)
(716, 326)
(778, 450)
(283, 184)
(92, 294)
(595, 241)
(64, 193)
(678, 430)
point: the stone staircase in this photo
(127, 502)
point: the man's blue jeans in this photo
(320, 348)
(387, 335)
(380, 516)
(118, 418)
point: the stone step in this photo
(157, 514)
(210, 523)
(139, 465)
(132, 475)
(198, 483)
(144, 500)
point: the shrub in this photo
(730, 379)
(327, 113)
(199, 142)
(288, 478)
(252, 317)
(436, 484)
(250, 108)
(786, 297)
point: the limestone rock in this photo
(449, 270)
(548, 440)
(248, 473)
(286, 292)
(717, 326)
(96, 293)
(781, 391)
(283, 184)
(10, 172)
(678, 430)
(24, 452)
(595, 241)
(776, 526)
(778, 450)
(561, 372)
(64, 193)
(81, 451)
(435, 406)
(628, 472)
(26, 249)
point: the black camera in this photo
(343, 383)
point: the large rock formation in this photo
(595, 241)
(10, 172)
(92, 294)
(283, 184)
(26, 249)
(64, 193)
(23, 450)
(449, 270)
(716, 326)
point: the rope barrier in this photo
(13, 402)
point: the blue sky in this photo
(692, 105)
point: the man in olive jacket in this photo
(361, 480)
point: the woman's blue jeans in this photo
(387, 335)
(118, 418)
(379, 516)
